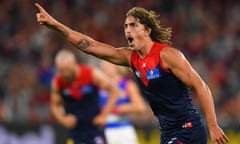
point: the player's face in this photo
(135, 33)
(67, 71)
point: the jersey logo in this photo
(86, 89)
(144, 65)
(138, 74)
(187, 125)
(153, 74)
(67, 92)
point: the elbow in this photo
(142, 111)
(141, 108)
(205, 86)
(114, 90)
(202, 87)
(55, 108)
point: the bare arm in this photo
(136, 104)
(68, 121)
(180, 67)
(103, 82)
(84, 43)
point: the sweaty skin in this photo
(142, 43)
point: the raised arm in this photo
(84, 43)
(180, 67)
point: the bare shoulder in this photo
(170, 52)
(171, 56)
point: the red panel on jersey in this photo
(148, 63)
(84, 78)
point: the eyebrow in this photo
(130, 24)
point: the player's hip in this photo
(188, 133)
(86, 137)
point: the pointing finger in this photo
(40, 8)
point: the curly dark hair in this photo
(150, 20)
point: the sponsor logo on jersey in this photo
(187, 125)
(138, 74)
(153, 74)
(173, 140)
(66, 92)
(86, 89)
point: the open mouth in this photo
(130, 40)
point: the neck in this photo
(145, 49)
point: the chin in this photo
(131, 47)
(135, 48)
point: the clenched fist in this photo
(69, 121)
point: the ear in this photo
(148, 31)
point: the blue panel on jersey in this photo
(121, 101)
(66, 92)
(86, 89)
(118, 124)
(153, 74)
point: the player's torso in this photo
(168, 96)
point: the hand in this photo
(217, 135)
(44, 18)
(99, 120)
(69, 121)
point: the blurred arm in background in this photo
(68, 121)
(103, 82)
(137, 104)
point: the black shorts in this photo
(193, 132)
(87, 137)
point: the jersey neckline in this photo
(149, 53)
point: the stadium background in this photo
(208, 32)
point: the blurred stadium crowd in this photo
(208, 33)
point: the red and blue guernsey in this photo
(81, 99)
(116, 120)
(168, 97)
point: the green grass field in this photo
(154, 137)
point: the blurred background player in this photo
(119, 128)
(75, 99)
